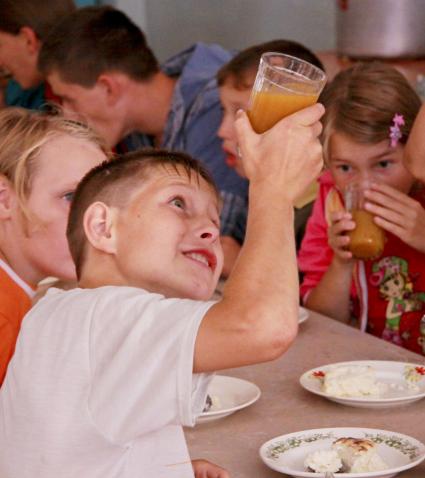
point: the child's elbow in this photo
(277, 341)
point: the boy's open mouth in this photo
(204, 257)
(231, 160)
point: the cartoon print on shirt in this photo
(391, 275)
(421, 339)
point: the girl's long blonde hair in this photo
(23, 133)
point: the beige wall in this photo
(172, 25)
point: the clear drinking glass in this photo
(367, 240)
(283, 85)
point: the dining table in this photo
(233, 442)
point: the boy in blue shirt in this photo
(110, 77)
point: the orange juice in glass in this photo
(283, 85)
(367, 240)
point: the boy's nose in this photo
(206, 235)
(225, 131)
(209, 232)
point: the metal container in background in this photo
(381, 28)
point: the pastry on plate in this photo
(358, 455)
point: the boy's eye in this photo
(178, 202)
(69, 196)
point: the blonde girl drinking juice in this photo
(42, 158)
(370, 109)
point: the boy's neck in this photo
(99, 279)
(152, 104)
(100, 270)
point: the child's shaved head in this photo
(114, 182)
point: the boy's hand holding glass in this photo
(397, 213)
(286, 158)
(284, 85)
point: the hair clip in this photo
(395, 132)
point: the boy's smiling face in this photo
(168, 236)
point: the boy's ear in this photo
(7, 198)
(31, 39)
(112, 86)
(99, 227)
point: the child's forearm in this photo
(257, 318)
(266, 272)
(331, 296)
(231, 249)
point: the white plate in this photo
(302, 315)
(229, 394)
(397, 376)
(287, 453)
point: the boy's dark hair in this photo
(95, 40)
(241, 69)
(113, 183)
(39, 16)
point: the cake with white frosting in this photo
(359, 455)
(347, 455)
(352, 381)
(322, 461)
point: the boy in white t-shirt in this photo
(104, 376)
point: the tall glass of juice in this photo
(283, 85)
(367, 240)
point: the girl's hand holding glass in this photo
(397, 213)
(341, 224)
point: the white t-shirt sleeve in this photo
(141, 359)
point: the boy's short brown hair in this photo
(95, 40)
(241, 69)
(113, 183)
(39, 16)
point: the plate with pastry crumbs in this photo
(367, 383)
(226, 395)
(346, 452)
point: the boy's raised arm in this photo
(257, 318)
